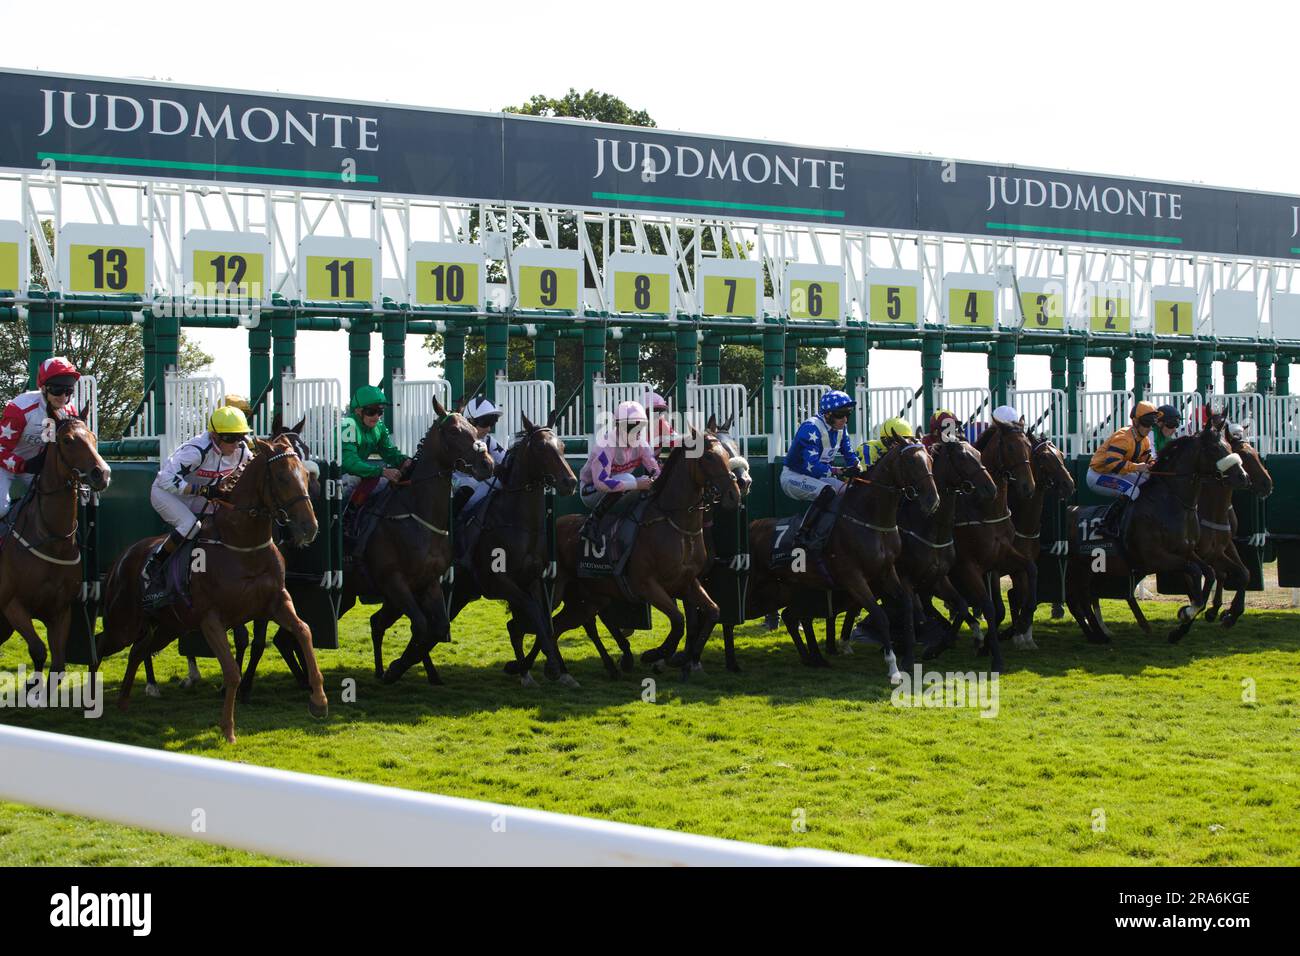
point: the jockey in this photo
(615, 454)
(483, 415)
(662, 433)
(22, 427)
(186, 483)
(892, 432)
(364, 435)
(1007, 415)
(1167, 426)
(808, 474)
(1119, 467)
(944, 426)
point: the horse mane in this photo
(984, 438)
(674, 460)
(1172, 451)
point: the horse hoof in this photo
(628, 663)
(1175, 636)
(678, 660)
(512, 667)
(435, 680)
(896, 678)
(566, 680)
(1024, 642)
(188, 682)
(391, 676)
(527, 680)
(1058, 612)
(151, 690)
(1228, 621)
(230, 737)
(652, 656)
(321, 709)
(1212, 613)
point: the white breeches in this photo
(179, 512)
(806, 487)
(1116, 486)
(7, 481)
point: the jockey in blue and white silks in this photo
(808, 466)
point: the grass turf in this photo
(1140, 753)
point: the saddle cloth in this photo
(615, 537)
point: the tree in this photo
(114, 354)
(740, 364)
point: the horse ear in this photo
(528, 426)
(263, 446)
(277, 424)
(550, 418)
(731, 420)
(438, 409)
(297, 429)
(712, 424)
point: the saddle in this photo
(360, 522)
(606, 553)
(9, 521)
(808, 533)
(1090, 531)
(176, 573)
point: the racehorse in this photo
(405, 564)
(859, 558)
(983, 531)
(1216, 544)
(1051, 475)
(40, 558)
(667, 557)
(510, 553)
(284, 643)
(241, 578)
(1166, 513)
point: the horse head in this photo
(300, 445)
(710, 468)
(1005, 451)
(957, 468)
(907, 465)
(76, 454)
(1050, 469)
(283, 491)
(1261, 482)
(1215, 460)
(455, 444)
(546, 461)
(739, 464)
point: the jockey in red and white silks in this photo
(23, 425)
(615, 455)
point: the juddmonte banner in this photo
(125, 128)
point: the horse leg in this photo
(286, 615)
(901, 589)
(729, 647)
(21, 621)
(1026, 588)
(1197, 594)
(215, 635)
(380, 622)
(960, 612)
(258, 648)
(706, 614)
(663, 602)
(1138, 615)
(790, 618)
(846, 631)
(140, 651)
(35, 646)
(859, 590)
(627, 661)
(240, 633)
(435, 612)
(532, 604)
(1237, 576)
(593, 635)
(970, 581)
(1212, 611)
(292, 656)
(516, 632)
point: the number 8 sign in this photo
(636, 283)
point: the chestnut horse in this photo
(241, 577)
(40, 559)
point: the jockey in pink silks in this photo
(615, 455)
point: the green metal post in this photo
(1059, 362)
(1264, 371)
(359, 330)
(544, 357)
(629, 357)
(1205, 369)
(259, 358)
(150, 352)
(284, 332)
(593, 364)
(40, 337)
(1283, 372)
(1118, 371)
(1076, 351)
(791, 372)
(497, 340)
(931, 371)
(394, 334)
(855, 358)
(453, 362)
(1005, 350)
(1142, 370)
(711, 362)
(1176, 372)
(1230, 376)
(688, 349)
(167, 335)
(773, 359)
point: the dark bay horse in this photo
(668, 555)
(240, 577)
(40, 559)
(1051, 476)
(984, 533)
(1166, 515)
(860, 556)
(1217, 545)
(511, 553)
(405, 559)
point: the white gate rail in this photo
(86, 397)
(1188, 405)
(534, 398)
(1103, 414)
(190, 404)
(1282, 415)
(792, 405)
(320, 401)
(878, 405)
(970, 405)
(1046, 411)
(413, 408)
(1248, 410)
(723, 402)
(329, 821)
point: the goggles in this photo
(59, 389)
(373, 410)
(230, 439)
(1149, 420)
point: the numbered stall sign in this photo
(99, 259)
(814, 292)
(730, 287)
(1109, 307)
(548, 279)
(332, 269)
(639, 283)
(13, 256)
(1174, 309)
(226, 265)
(894, 297)
(1235, 314)
(1042, 304)
(447, 274)
(1286, 316)
(970, 300)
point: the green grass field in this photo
(1153, 741)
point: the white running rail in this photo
(190, 404)
(534, 398)
(413, 408)
(339, 822)
(320, 401)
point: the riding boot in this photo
(1112, 518)
(808, 527)
(592, 524)
(154, 585)
(461, 498)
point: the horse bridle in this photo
(908, 491)
(279, 513)
(459, 464)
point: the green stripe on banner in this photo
(202, 167)
(717, 204)
(1092, 233)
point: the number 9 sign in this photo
(547, 279)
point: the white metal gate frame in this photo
(320, 402)
(191, 400)
(1047, 412)
(722, 402)
(534, 398)
(413, 408)
(877, 405)
(792, 405)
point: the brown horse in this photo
(1217, 545)
(237, 576)
(860, 556)
(407, 561)
(667, 557)
(1166, 513)
(40, 559)
(1051, 475)
(984, 533)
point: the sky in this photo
(1191, 92)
